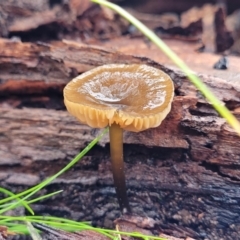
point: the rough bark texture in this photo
(183, 174)
(45, 20)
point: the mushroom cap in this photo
(136, 97)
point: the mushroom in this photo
(131, 97)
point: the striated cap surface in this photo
(136, 97)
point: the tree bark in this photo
(185, 174)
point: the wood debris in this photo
(183, 175)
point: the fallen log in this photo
(183, 174)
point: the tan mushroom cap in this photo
(136, 97)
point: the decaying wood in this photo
(183, 174)
(51, 233)
(45, 20)
(199, 62)
(5, 233)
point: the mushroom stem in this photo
(116, 149)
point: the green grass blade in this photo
(217, 104)
(15, 197)
(38, 187)
(43, 197)
(33, 200)
(67, 225)
(33, 232)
